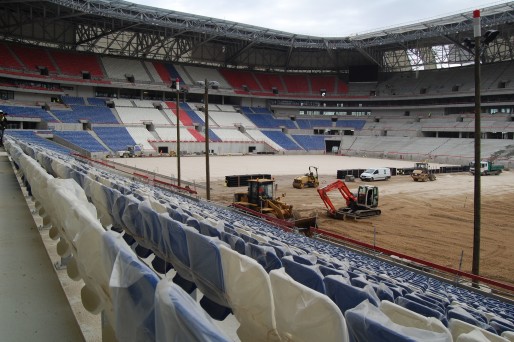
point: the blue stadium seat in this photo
(345, 295)
(424, 310)
(308, 275)
(179, 318)
(176, 251)
(205, 259)
(264, 255)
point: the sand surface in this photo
(432, 221)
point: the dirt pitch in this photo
(431, 221)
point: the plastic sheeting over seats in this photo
(303, 314)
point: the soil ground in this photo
(432, 221)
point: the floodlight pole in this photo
(177, 92)
(207, 166)
(475, 269)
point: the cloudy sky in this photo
(326, 18)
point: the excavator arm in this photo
(353, 208)
(343, 189)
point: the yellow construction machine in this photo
(422, 173)
(260, 198)
(309, 180)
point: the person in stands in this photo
(3, 126)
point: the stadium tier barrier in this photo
(95, 214)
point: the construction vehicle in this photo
(360, 206)
(260, 198)
(308, 180)
(486, 168)
(422, 173)
(131, 151)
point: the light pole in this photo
(489, 36)
(207, 166)
(177, 93)
(475, 268)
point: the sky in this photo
(324, 18)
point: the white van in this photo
(373, 174)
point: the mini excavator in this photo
(361, 206)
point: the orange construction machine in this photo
(360, 206)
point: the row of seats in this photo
(138, 305)
(197, 234)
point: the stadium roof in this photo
(123, 28)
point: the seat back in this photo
(345, 295)
(458, 328)
(408, 318)
(303, 314)
(132, 287)
(178, 317)
(308, 275)
(366, 322)
(264, 255)
(248, 290)
(207, 271)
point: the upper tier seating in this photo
(74, 63)
(200, 74)
(119, 68)
(7, 59)
(33, 58)
(270, 81)
(323, 82)
(296, 84)
(152, 72)
(238, 79)
(163, 73)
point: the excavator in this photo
(308, 180)
(360, 206)
(260, 198)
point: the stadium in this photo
(143, 249)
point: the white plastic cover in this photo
(248, 290)
(97, 195)
(458, 328)
(472, 336)
(303, 314)
(179, 318)
(509, 335)
(366, 322)
(132, 287)
(402, 316)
